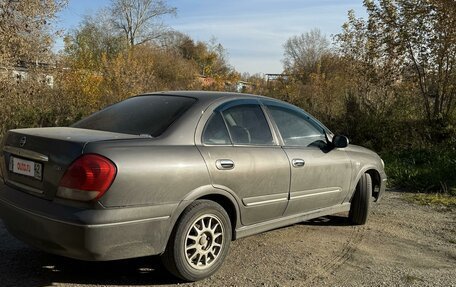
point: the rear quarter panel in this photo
(149, 173)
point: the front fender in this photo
(364, 169)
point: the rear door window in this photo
(247, 125)
(215, 132)
(239, 125)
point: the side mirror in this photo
(340, 141)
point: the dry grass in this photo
(433, 199)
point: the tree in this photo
(426, 32)
(209, 57)
(25, 31)
(313, 75)
(25, 39)
(371, 72)
(139, 19)
(93, 40)
(127, 74)
(409, 42)
(303, 53)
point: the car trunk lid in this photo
(34, 160)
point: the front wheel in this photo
(199, 242)
(359, 208)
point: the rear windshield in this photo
(143, 115)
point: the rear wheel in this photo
(359, 208)
(199, 242)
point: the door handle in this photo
(297, 162)
(224, 164)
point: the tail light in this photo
(87, 178)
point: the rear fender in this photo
(203, 192)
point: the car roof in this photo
(206, 97)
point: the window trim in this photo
(239, 102)
(284, 105)
(242, 102)
(213, 114)
(314, 122)
(276, 136)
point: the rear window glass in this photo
(143, 115)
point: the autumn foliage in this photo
(388, 82)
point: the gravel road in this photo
(403, 244)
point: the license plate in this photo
(26, 167)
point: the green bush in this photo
(422, 170)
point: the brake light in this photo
(87, 178)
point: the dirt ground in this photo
(403, 244)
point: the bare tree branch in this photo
(140, 19)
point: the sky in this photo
(252, 31)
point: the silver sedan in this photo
(181, 175)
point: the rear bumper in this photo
(86, 234)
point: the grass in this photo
(433, 199)
(428, 170)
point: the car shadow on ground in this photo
(24, 266)
(138, 271)
(329, 220)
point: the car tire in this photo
(199, 242)
(359, 208)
